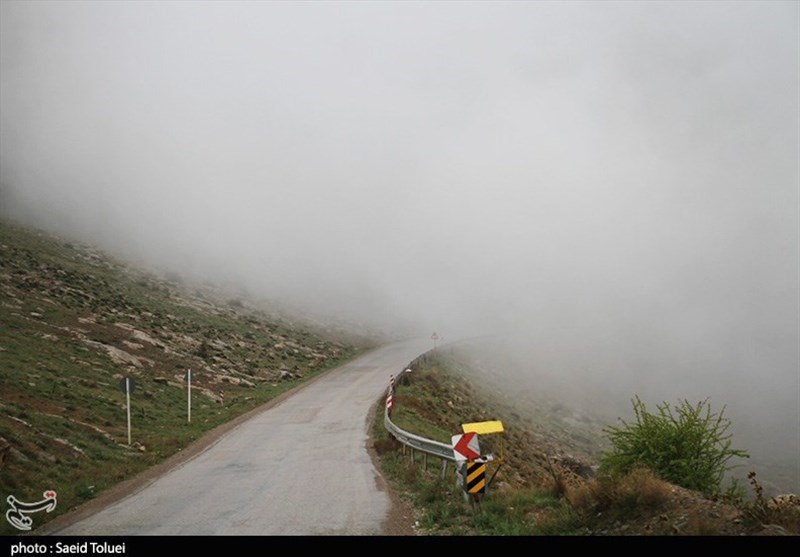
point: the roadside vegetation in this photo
(75, 322)
(556, 484)
(686, 444)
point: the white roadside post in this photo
(128, 404)
(189, 395)
(127, 385)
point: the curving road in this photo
(298, 468)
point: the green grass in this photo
(536, 492)
(440, 502)
(61, 409)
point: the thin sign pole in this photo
(128, 399)
(189, 403)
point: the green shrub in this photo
(687, 445)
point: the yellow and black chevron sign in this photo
(476, 477)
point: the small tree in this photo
(687, 445)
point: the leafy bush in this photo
(687, 445)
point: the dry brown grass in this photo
(787, 516)
(698, 525)
(383, 446)
(622, 497)
(557, 484)
(789, 519)
(783, 511)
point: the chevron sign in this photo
(465, 446)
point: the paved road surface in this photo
(299, 468)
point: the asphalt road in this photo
(298, 468)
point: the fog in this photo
(610, 187)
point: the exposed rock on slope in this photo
(74, 322)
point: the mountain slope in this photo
(547, 483)
(74, 323)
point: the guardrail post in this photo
(424, 461)
(444, 468)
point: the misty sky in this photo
(590, 177)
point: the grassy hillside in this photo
(549, 482)
(74, 323)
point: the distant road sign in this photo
(131, 384)
(434, 336)
(465, 446)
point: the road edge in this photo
(133, 485)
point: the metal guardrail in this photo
(416, 442)
(427, 446)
